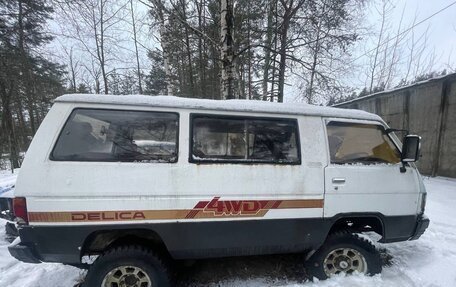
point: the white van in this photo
(140, 180)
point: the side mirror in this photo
(411, 148)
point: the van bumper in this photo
(422, 224)
(22, 252)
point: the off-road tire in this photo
(130, 255)
(344, 239)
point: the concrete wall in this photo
(427, 109)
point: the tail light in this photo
(20, 210)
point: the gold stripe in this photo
(106, 215)
(309, 203)
(135, 215)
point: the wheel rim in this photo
(127, 276)
(344, 260)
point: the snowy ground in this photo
(429, 261)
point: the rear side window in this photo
(115, 135)
(351, 143)
(235, 139)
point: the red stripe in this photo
(201, 204)
(192, 214)
(276, 204)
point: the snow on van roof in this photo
(225, 105)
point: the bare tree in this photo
(93, 24)
(373, 69)
(290, 9)
(202, 62)
(393, 63)
(73, 67)
(135, 39)
(159, 11)
(270, 28)
(227, 49)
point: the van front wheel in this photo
(129, 266)
(344, 252)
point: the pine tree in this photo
(28, 81)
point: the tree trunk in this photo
(22, 125)
(227, 52)
(166, 60)
(189, 52)
(164, 44)
(27, 75)
(12, 142)
(138, 71)
(242, 81)
(283, 57)
(8, 125)
(97, 86)
(102, 51)
(394, 58)
(202, 84)
(249, 69)
(267, 52)
(290, 10)
(99, 43)
(377, 50)
(73, 72)
(313, 68)
(274, 58)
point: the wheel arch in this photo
(358, 222)
(99, 241)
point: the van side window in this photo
(351, 143)
(115, 135)
(236, 139)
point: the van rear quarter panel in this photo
(167, 192)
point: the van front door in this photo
(363, 172)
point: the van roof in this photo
(224, 105)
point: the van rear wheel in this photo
(128, 266)
(344, 252)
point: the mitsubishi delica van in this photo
(139, 181)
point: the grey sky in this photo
(440, 45)
(441, 30)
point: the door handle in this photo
(338, 180)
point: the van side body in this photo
(201, 209)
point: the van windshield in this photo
(351, 143)
(114, 135)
